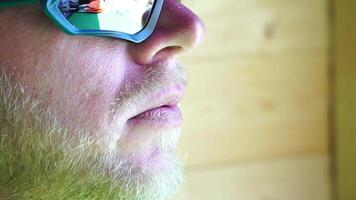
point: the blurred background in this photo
(268, 111)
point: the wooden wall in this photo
(258, 92)
(259, 82)
(345, 110)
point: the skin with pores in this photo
(76, 92)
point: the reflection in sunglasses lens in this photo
(127, 16)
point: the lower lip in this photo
(164, 116)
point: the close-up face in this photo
(121, 97)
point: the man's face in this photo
(120, 95)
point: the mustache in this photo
(156, 77)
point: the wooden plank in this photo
(345, 51)
(247, 29)
(259, 82)
(256, 109)
(293, 179)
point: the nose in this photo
(178, 29)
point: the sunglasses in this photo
(131, 20)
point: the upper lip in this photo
(170, 96)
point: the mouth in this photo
(163, 111)
(161, 116)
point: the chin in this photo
(146, 145)
(45, 163)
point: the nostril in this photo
(171, 49)
(167, 52)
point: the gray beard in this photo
(39, 159)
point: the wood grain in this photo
(345, 70)
(282, 179)
(255, 110)
(245, 29)
(259, 83)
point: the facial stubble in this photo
(40, 159)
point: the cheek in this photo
(78, 81)
(78, 77)
(85, 85)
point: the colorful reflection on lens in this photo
(127, 16)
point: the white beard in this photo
(39, 159)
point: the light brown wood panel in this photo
(256, 109)
(240, 29)
(345, 70)
(282, 179)
(258, 83)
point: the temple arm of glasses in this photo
(7, 3)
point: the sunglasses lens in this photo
(126, 16)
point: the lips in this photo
(161, 116)
(163, 111)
